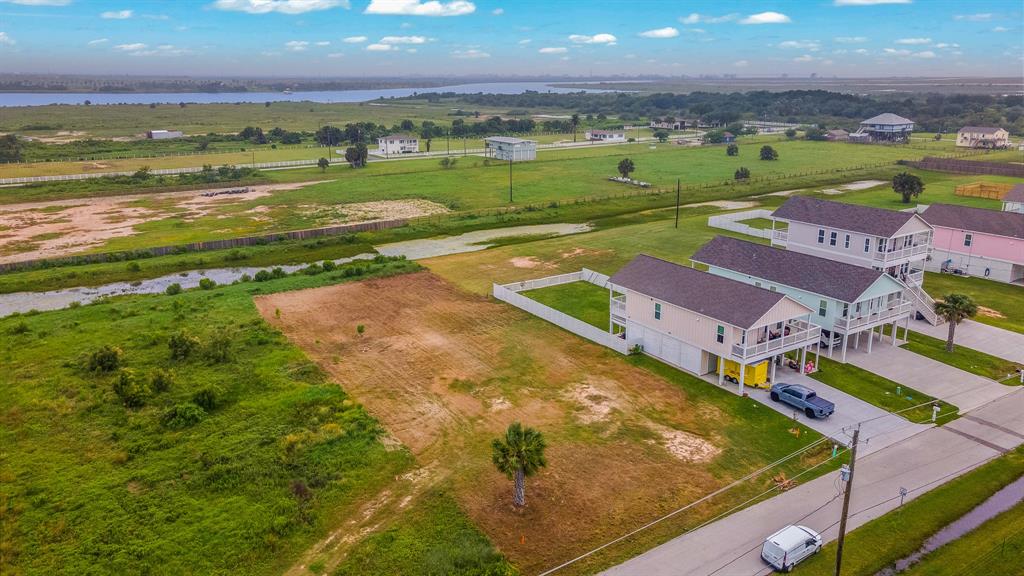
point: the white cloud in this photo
(411, 50)
(812, 45)
(851, 39)
(380, 47)
(524, 41)
(595, 39)
(130, 47)
(766, 18)
(336, 55)
(553, 50)
(1000, 29)
(296, 45)
(983, 17)
(914, 41)
(804, 58)
(695, 18)
(924, 54)
(323, 43)
(420, 8)
(117, 14)
(39, 2)
(281, 6)
(895, 52)
(403, 40)
(470, 54)
(868, 2)
(741, 63)
(945, 45)
(860, 51)
(98, 41)
(354, 39)
(666, 32)
(695, 30)
(6, 40)
(498, 11)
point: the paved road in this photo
(731, 546)
(982, 337)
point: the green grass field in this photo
(993, 549)
(1005, 301)
(582, 300)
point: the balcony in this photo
(800, 334)
(618, 306)
(780, 236)
(893, 256)
(894, 311)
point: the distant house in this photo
(507, 148)
(164, 134)
(728, 137)
(668, 124)
(847, 299)
(605, 135)
(885, 127)
(982, 137)
(696, 320)
(838, 135)
(398, 144)
(1013, 201)
(977, 242)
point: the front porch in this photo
(771, 342)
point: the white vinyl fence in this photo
(510, 293)
(732, 222)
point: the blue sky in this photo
(453, 37)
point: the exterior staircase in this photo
(924, 304)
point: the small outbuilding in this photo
(837, 135)
(728, 137)
(507, 148)
(982, 137)
(164, 134)
(605, 135)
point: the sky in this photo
(846, 38)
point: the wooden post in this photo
(677, 202)
(846, 503)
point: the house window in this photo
(758, 284)
(867, 244)
(720, 335)
(967, 239)
(657, 311)
(771, 288)
(846, 309)
(822, 308)
(846, 244)
(821, 236)
(832, 238)
(881, 244)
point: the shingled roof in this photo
(864, 219)
(888, 118)
(1015, 194)
(975, 220)
(839, 280)
(730, 301)
(981, 129)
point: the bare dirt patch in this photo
(726, 204)
(991, 313)
(434, 363)
(528, 262)
(858, 185)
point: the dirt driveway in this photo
(446, 371)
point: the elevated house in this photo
(697, 321)
(398, 144)
(977, 242)
(1013, 200)
(887, 127)
(848, 300)
(982, 137)
(897, 243)
(605, 135)
(507, 148)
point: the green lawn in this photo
(993, 549)
(884, 540)
(763, 223)
(280, 457)
(963, 358)
(939, 188)
(881, 392)
(1005, 303)
(582, 300)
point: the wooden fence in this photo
(983, 190)
(967, 166)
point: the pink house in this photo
(977, 242)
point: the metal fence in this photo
(732, 222)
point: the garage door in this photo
(671, 350)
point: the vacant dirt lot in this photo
(446, 371)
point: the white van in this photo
(788, 546)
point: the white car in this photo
(788, 546)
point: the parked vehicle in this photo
(830, 339)
(802, 398)
(756, 375)
(789, 546)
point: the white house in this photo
(605, 135)
(982, 137)
(398, 144)
(164, 134)
(692, 319)
(514, 149)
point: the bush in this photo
(206, 283)
(207, 398)
(732, 150)
(791, 133)
(133, 267)
(218, 349)
(161, 380)
(742, 174)
(173, 289)
(182, 415)
(129, 388)
(768, 153)
(182, 345)
(106, 359)
(328, 265)
(19, 328)
(261, 276)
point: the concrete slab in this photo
(981, 337)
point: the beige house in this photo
(982, 137)
(691, 319)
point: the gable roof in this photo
(980, 129)
(838, 280)
(729, 301)
(976, 220)
(838, 132)
(864, 219)
(1015, 194)
(508, 140)
(887, 118)
(391, 137)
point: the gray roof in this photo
(864, 219)
(839, 280)
(976, 220)
(839, 131)
(508, 140)
(399, 137)
(1016, 194)
(981, 129)
(729, 301)
(888, 118)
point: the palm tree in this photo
(954, 308)
(575, 121)
(518, 455)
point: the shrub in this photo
(182, 345)
(106, 359)
(278, 273)
(207, 398)
(134, 267)
(768, 153)
(732, 150)
(207, 283)
(218, 349)
(328, 265)
(129, 388)
(791, 133)
(360, 329)
(261, 276)
(182, 415)
(742, 174)
(173, 289)
(19, 328)
(161, 380)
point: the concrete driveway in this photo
(981, 337)
(928, 376)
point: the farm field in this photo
(445, 371)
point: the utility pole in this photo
(511, 152)
(846, 502)
(677, 202)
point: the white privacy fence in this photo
(732, 222)
(510, 293)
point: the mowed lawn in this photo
(1004, 303)
(582, 300)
